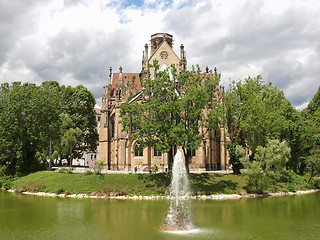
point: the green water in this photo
(31, 217)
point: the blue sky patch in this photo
(129, 3)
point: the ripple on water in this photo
(182, 232)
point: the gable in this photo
(165, 55)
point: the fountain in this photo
(178, 216)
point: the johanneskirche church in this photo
(118, 151)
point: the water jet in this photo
(178, 217)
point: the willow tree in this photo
(173, 110)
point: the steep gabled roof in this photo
(127, 77)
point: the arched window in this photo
(112, 127)
(138, 151)
(156, 153)
(193, 152)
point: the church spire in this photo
(120, 76)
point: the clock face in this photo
(164, 54)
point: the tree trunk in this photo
(50, 154)
(170, 159)
(236, 169)
(302, 168)
(187, 156)
(311, 175)
(71, 157)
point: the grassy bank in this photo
(137, 184)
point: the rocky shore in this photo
(200, 197)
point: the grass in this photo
(134, 184)
(108, 184)
(123, 184)
(207, 184)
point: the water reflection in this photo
(31, 217)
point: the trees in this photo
(24, 120)
(310, 135)
(174, 110)
(30, 120)
(269, 162)
(239, 98)
(313, 116)
(50, 92)
(313, 162)
(78, 103)
(258, 112)
(313, 107)
(70, 137)
(274, 155)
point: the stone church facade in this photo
(118, 151)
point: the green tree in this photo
(24, 119)
(257, 179)
(238, 101)
(313, 162)
(70, 137)
(174, 110)
(79, 104)
(313, 107)
(269, 162)
(50, 91)
(234, 158)
(30, 123)
(274, 155)
(257, 112)
(310, 133)
(313, 119)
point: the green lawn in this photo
(134, 184)
(123, 184)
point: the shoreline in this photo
(199, 197)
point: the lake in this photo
(33, 217)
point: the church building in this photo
(118, 151)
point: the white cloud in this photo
(76, 41)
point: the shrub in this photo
(3, 171)
(87, 173)
(98, 167)
(291, 177)
(291, 187)
(155, 169)
(6, 181)
(257, 180)
(317, 183)
(59, 191)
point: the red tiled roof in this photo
(127, 77)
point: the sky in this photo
(76, 41)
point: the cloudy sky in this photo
(76, 41)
